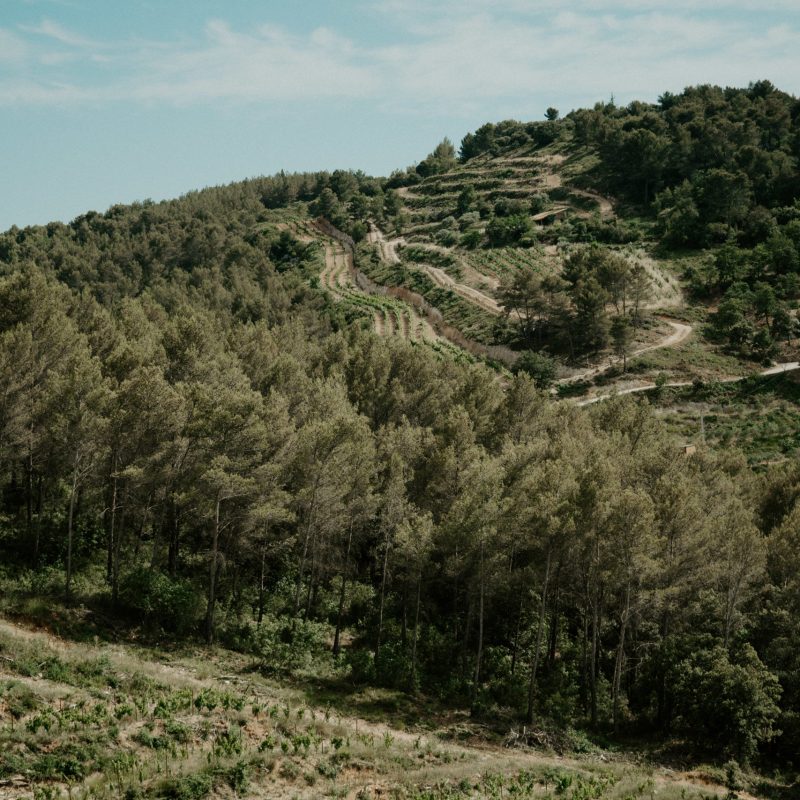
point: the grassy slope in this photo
(117, 720)
(760, 416)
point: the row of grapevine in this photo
(503, 262)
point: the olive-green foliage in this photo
(171, 603)
(281, 646)
(727, 700)
(194, 435)
(187, 787)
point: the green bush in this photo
(393, 665)
(728, 701)
(237, 777)
(539, 366)
(72, 761)
(19, 699)
(170, 603)
(281, 647)
(361, 664)
(187, 787)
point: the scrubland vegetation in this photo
(292, 468)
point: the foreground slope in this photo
(119, 721)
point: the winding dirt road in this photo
(786, 366)
(389, 247)
(681, 332)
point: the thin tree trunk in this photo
(413, 679)
(479, 653)
(111, 530)
(662, 719)
(585, 659)
(212, 576)
(404, 619)
(262, 579)
(595, 609)
(72, 496)
(515, 646)
(174, 538)
(455, 604)
(620, 656)
(314, 591)
(593, 659)
(155, 529)
(115, 567)
(383, 591)
(29, 503)
(554, 623)
(342, 593)
(539, 632)
(465, 635)
(140, 531)
(302, 565)
(37, 524)
(312, 577)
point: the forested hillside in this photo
(310, 418)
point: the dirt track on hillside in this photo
(338, 276)
(681, 332)
(786, 366)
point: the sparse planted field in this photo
(110, 721)
(503, 262)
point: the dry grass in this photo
(103, 721)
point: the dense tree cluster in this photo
(599, 291)
(189, 432)
(492, 139)
(716, 168)
(440, 160)
(713, 163)
(715, 154)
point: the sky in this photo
(112, 101)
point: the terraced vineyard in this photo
(503, 262)
(390, 317)
(472, 313)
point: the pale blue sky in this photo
(107, 101)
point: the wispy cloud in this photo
(451, 55)
(13, 49)
(407, 9)
(52, 30)
(266, 64)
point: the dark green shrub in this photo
(280, 647)
(169, 603)
(728, 701)
(237, 777)
(187, 787)
(393, 665)
(539, 366)
(19, 699)
(362, 665)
